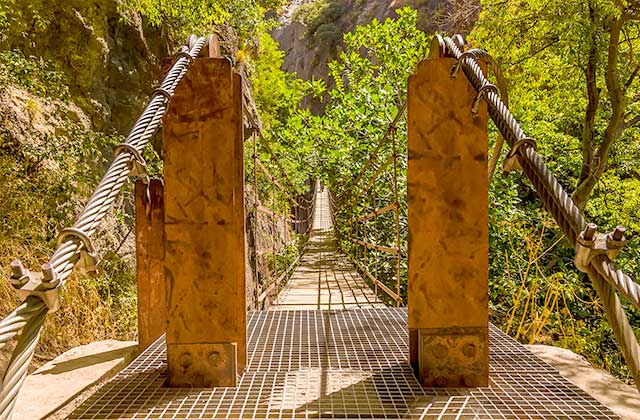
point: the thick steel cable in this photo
(602, 273)
(29, 316)
(512, 132)
(13, 323)
(623, 283)
(565, 211)
(621, 328)
(18, 367)
(118, 172)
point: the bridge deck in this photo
(347, 359)
(325, 279)
(342, 365)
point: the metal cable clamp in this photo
(511, 162)
(161, 91)
(474, 53)
(591, 244)
(184, 54)
(482, 94)
(88, 259)
(138, 164)
(45, 285)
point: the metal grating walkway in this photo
(342, 365)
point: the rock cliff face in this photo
(110, 62)
(311, 30)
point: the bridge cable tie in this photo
(161, 91)
(184, 54)
(511, 162)
(88, 258)
(474, 53)
(138, 164)
(482, 93)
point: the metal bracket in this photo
(591, 244)
(472, 53)
(482, 93)
(138, 164)
(511, 162)
(184, 54)
(88, 259)
(44, 285)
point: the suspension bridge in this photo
(338, 335)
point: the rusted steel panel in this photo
(204, 225)
(152, 312)
(448, 227)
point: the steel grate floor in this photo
(349, 364)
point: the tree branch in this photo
(631, 122)
(633, 75)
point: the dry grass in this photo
(48, 168)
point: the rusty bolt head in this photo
(214, 358)
(48, 274)
(589, 231)
(186, 360)
(441, 381)
(440, 351)
(618, 233)
(469, 350)
(17, 270)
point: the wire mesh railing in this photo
(374, 210)
(287, 207)
(594, 251)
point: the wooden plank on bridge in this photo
(204, 227)
(152, 310)
(448, 229)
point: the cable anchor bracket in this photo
(138, 164)
(45, 284)
(474, 53)
(482, 94)
(591, 244)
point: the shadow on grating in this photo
(342, 365)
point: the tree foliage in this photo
(572, 69)
(189, 16)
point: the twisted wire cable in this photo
(601, 271)
(109, 187)
(18, 367)
(13, 323)
(623, 283)
(621, 328)
(29, 316)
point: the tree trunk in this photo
(595, 158)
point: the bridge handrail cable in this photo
(41, 290)
(304, 214)
(591, 257)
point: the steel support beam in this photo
(152, 310)
(204, 228)
(448, 229)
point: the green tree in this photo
(580, 59)
(187, 16)
(370, 78)
(572, 69)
